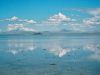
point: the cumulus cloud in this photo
(92, 15)
(94, 12)
(58, 19)
(27, 29)
(92, 21)
(30, 21)
(14, 26)
(19, 27)
(16, 19)
(95, 19)
(80, 24)
(19, 24)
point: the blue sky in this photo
(42, 10)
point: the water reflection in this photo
(51, 55)
(56, 47)
(17, 46)
(95, 48)
(58, 50)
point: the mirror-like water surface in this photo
(50, 55)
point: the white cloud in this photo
(30, 21)
(14, 18)
(74, 23)
(19, 27)
(94, 12)
(14, 26)
(95, 19)
(27, 29)
(92, 21)
(88, 22)
(90, 11)
(58, 19)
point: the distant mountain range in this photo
(63, 31)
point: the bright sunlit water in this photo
(50, 55)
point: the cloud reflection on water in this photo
(18, 46)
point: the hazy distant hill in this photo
(61, 32)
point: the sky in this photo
(50, 15)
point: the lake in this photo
(50, 55)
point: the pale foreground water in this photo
(50, 55)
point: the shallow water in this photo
(50, 55)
